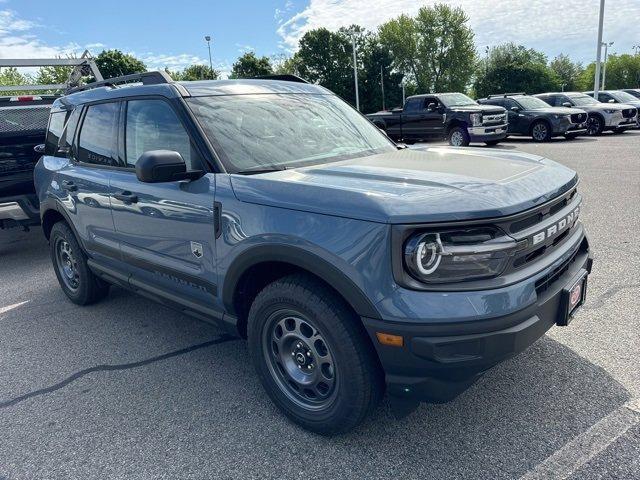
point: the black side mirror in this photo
(567, 104)
(157, 166)
(431, 107)
(515, 109)
(39, 148)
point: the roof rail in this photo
(146, 78)
(506, 94)
(287, 77)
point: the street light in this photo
(604, 65)
(596, 80)
(382, 85)
(355, 67)
(208, 40)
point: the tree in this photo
(566, 71)
(435, 49)
(324, 57)
(514, 68)
(11, 76)
(114, 63)
(377, 67)
(194, 72)
(251, 66)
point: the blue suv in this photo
(272, 208)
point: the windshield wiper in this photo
(265, 169)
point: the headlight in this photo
(476, 119)
(458, 255)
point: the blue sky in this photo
(171, 33)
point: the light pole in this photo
(596, 80)
(404, 97)
(604, 65)
(355, 68)
(208, 40)
(382, 85)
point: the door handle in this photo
(69, 186)
(126, 197)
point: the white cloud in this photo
(569, 27)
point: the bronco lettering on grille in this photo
(556, 228)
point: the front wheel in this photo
(571, 136)
(541, 132)
(595, 125)
(459, 137)
(492, 142)
(618, 131)
(312, 357)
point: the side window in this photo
(97, 140)
(414, 105)
(70, 129)
(508, 103)
(54, 132)
(153, 125)
(604, 97)
(429, 100)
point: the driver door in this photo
(166, 230)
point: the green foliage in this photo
(11, 76)
(623, 71)
(514, 68)
(194, 72)
(435, 49)
(566, 71)
(114, 63)
(250, 66)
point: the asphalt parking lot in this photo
(129, 389)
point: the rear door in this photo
(166, 230)
(83, 179)
(419, 122)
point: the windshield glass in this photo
(531, 103)
(455, 99)
(261, 131)
(623, 97)
(581, 99)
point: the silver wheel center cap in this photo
(300, 358)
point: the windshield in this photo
(583, 100)
(531, 103)
(623, 97)
(455, 99)
(274, 131)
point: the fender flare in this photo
(301, 258)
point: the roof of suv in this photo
(198, 88)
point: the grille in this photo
(542, 284)
(24, 119)
(493, 119)
(629, 112)
(578, 118)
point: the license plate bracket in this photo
(572, 297)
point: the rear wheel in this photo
(540, 131)
(459, 137)
(311, 356)
(70, 264)
(595, 125)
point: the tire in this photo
(77, 281)
(541, 131)
(492, 142)
(458, 137)
(595, 125)
(571, 136)
(618, 131)
(312, 356)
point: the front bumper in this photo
(438, 362)
(487, 133)
(21, 210)
(616, 120)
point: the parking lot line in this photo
(579, 451)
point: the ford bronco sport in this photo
(277, 211)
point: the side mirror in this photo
(611, 100)
(39, 148)
(432, 107)
(157, 166)
(514, 109)
(567, 104)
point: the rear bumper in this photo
(487, 133)
(437, 364)
(21, 210)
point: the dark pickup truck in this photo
(23, 123)
(443, 115)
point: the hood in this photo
(560, 110)
(609, 106)
(413, 185)
(489, 109)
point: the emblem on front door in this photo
(196, 249)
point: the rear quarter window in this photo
(54, 132)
